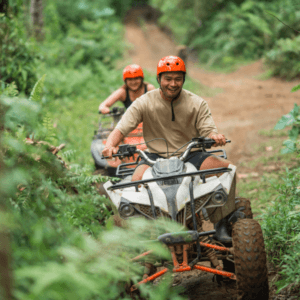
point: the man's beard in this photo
(165, 90)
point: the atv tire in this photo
(243, 202)
(250, 261)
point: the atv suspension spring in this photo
(209, 252)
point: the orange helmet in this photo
(171, 64)
(132, 71)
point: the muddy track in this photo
(244, 106)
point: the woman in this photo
(133, 88)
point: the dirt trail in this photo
(245, 106)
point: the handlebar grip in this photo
(115, 110)
(114, 155)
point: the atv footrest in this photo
(184, 237)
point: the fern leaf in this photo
(9, 90)
(36, 94)
(50, 130)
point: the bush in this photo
(17, 55)
(290, 119)
(281, 226)
(226, 32)
(61, 247)
(95, 41)
(238, 31)
(284, 58)
(68, 12)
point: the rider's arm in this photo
(113, 140)
(129, 121)
(205, 123)
(114, 97)
(133, 116)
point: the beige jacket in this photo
(192, 119)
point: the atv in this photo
(107, 124)
(176, 190)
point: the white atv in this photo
(175, 189)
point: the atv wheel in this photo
(250, 260)
(243, 202)
(239, 202)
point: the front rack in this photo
(224, 155)
(202, 174)
(122, 169)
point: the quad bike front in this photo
(174, 189)
(107, 124)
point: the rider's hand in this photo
(109, 151)
(219, 138)
(104, 110)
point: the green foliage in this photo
(290, 119)
(36, 94)
(94, 42)
(60, 249)
(9, 90)
(66, 13)
(50, 132)
(239, 31)
(17, 56)
(90, 268)
(281, 228)
(227, 32)
(284, 58)
(296, 88)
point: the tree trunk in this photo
(37, 22)
(3, 6)
(5, 268)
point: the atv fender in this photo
(228, 181)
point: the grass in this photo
(268, 167)
(273, 133)
(265, 75)
(229, 65)
(200, 89)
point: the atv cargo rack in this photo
(122, 170)
(202, 174)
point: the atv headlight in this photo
(126, 210)
(219, 197)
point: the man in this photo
(134, 87)
(173, 114)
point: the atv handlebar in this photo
(116, 111)
(129, 150)
(200, 142)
